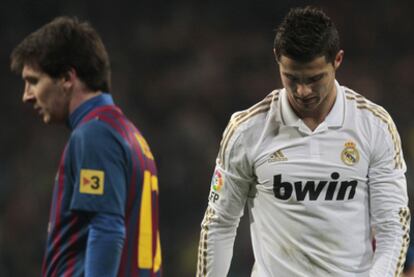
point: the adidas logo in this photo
(277, 157)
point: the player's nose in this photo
(303, 90)
(28, 95)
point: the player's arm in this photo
(390, 216)
(98, 165)
(228, 194)
(106, 235)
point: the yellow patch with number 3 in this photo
(92, 181)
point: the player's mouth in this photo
(38, 109)
(308, 100)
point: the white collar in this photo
(335, 117)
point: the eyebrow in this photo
(30, 78)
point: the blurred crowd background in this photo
(180, 69)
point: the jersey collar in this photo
(81, 111)
(335, 117)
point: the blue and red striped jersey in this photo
(106, 166)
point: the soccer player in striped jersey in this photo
(319, 166)
(104, 212)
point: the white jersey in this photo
(315, 198)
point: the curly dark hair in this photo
(62, 44)
(306, 33)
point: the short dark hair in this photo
(62, 44)
(305, 34)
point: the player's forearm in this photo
(216, 244)
(104, 248)
(391, 244)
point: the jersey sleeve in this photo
(228, 193)
(390, 216)
(104, 246)
(98, 167)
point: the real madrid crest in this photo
(350, 154)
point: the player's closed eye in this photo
(292, 78)
(315, 78)
(306, 81)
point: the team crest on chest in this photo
(350, 154)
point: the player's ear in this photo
(338, 59)
(68, 78)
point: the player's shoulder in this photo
(247, 124)
(95, 132)
(255, 115)
(361, 109)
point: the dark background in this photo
(180, 69)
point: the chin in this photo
(47, 119)
(309, 108)
(312, 106)
(50, 120)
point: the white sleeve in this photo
(390, 216)
(228, 193)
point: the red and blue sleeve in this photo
(99, 168)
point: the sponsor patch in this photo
(277, 156)
(217, 182)
(92, 181)
(350, 154)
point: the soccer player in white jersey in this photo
(319, 166)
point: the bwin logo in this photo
(284, 190)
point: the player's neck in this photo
(81, 96)
(313, 118)
(312, 123)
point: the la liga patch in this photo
(217, 182)
(92, 181)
